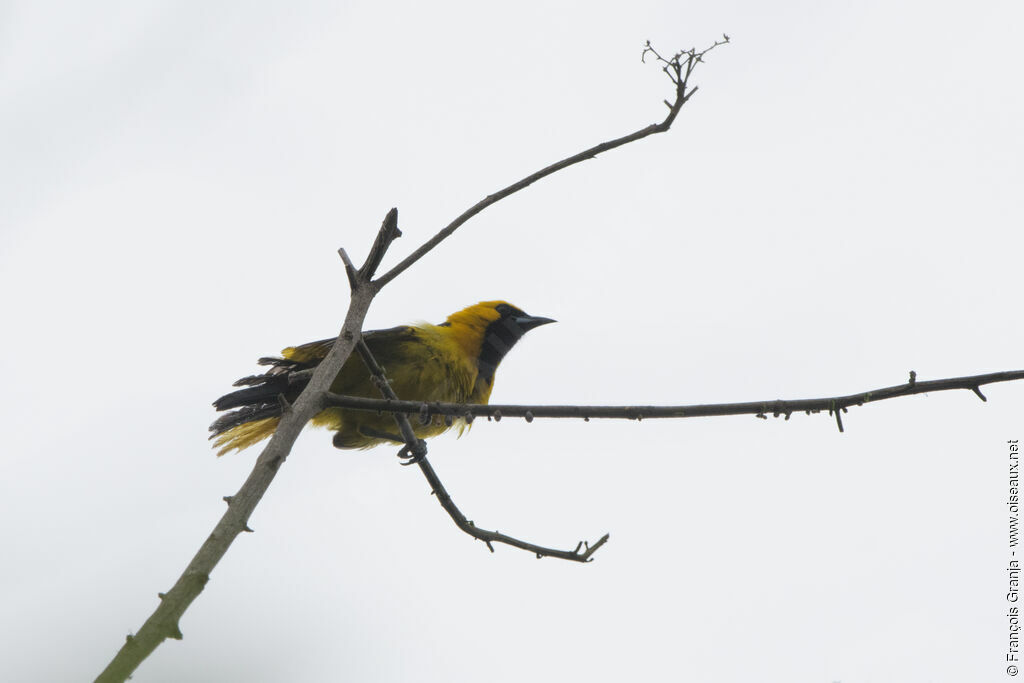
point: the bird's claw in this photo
(411, 456)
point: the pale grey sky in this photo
(839, 204)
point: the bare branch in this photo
(777, 407)
(163, 623)
(675, 67)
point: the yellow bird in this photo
(451, 362)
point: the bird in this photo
(452, 362)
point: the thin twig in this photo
(415, 451)
(582, 552)
(680, 67)
(775, 407)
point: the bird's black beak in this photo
(528, 322)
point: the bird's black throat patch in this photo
(499, 338)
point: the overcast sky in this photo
(839, 204)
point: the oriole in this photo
(451, 362)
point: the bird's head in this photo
(489, 329)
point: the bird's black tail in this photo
(258, 407)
